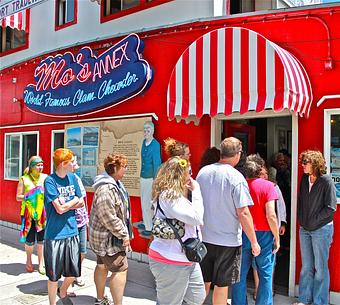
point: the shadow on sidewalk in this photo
(13, 268)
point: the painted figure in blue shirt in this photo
(151, 160)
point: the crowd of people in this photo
(239, 216)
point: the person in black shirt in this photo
(316, 207)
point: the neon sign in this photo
(73, 85)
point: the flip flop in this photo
(69, 294)
(42, 270)
(79, 282)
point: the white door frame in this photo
(215, 140)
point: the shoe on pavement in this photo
(104, 301)
(79, 282)
(299, 303)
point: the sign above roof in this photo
(78, 84)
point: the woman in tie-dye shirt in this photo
(30, 192)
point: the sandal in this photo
(79, 282)
(29, 269)
(42, 270)
(69, 294)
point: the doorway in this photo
(268, 136)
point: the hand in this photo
(190, 184)
(276, 246)
(255, 249)
(126, 244)
(282, 230)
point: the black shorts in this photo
(34, 236)
(62, 258)
(222, 265)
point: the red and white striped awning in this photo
(15, 21)
(234, 69)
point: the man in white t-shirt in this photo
(226, 199)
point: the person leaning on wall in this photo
(30, 192)
(315, 211)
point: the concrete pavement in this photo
(17, 287)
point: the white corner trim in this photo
(327, 97)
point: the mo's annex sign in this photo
(77, 84)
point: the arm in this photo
(20, 191)
(107, 199)
(272, 221)
(78, 205)
(281, 211)
(248, 227)
(62, 207)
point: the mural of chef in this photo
(151, 160)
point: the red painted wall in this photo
(303, 33)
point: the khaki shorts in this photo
(114, 263)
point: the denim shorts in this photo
(83, 239)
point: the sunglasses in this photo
(305, 162)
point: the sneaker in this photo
(104, 301)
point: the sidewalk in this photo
(17, 287)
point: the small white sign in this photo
(11, 7)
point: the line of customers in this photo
(228, 201)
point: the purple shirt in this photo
(82, 216)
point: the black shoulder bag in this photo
(194, 249)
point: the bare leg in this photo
(100, 275)
(207, 288)
(117, 286)
(79, 281)
(29, 252)
(40, 250)
(52, 291)
(256, 282)
(65, 285)
(220, 295)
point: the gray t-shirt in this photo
(223, 189)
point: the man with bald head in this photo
(226, 199)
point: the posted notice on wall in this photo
(335, 170)
(92, 142)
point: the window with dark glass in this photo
(65, 12)
(11, 38)
(19, 149)
(115, 6)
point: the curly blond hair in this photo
(171, 179)
(317, 160)
(174, 148)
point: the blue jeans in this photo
(314, 275)
(83, 239)
(264, 263)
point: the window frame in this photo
(22, 47)
(21, 134)
(143, 5)
(327, 138)
(67, 24)
(54, 132)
